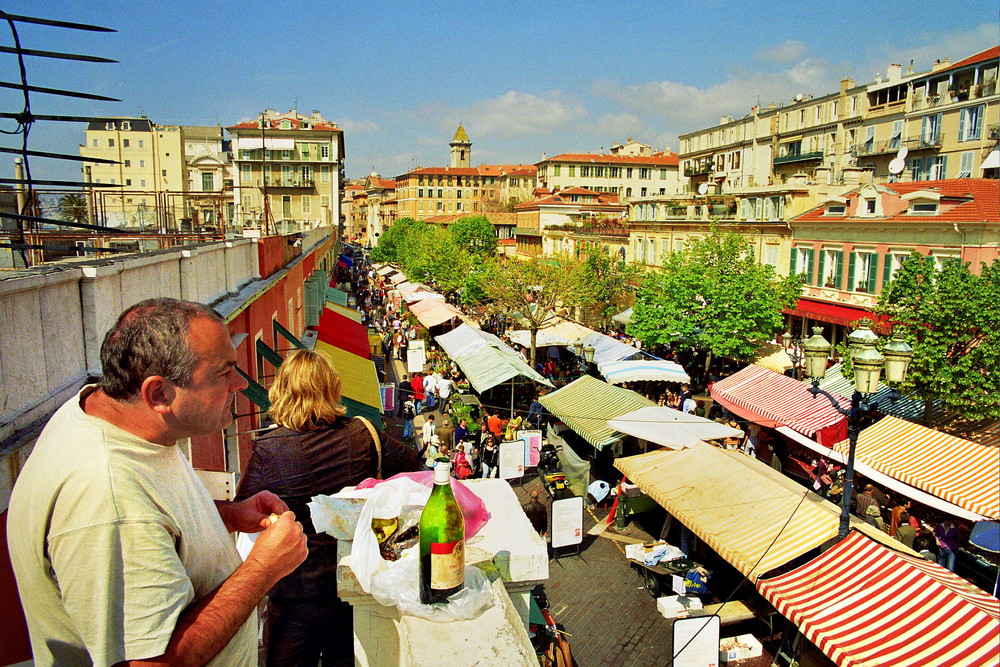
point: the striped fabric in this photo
(617, 372)
(960, 471)
(359, 379)
(907, 408)
(398, 278)
(864, 605)
(738, 505)
(484, 358)
(432, 312)
(343, 331)
(771, 399)
(586, 405)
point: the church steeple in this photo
(461, 149)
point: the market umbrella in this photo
(670, 428)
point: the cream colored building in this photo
(945, 119)
(287, 167)
(629, 171)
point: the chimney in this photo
(941, 64)
(895, 72)
(755, 109)
(846, 83)
(852, 175)
(772, 105)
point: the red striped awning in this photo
(962, 472)
(772, 399)
(343, 332)
(865, 605)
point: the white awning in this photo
(272, 143)
(992, 160)
(671, 428)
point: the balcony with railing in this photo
(699, 170)
(924, 140)
(798, 157)
(868, 148)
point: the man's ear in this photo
(157, 393)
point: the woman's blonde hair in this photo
(305, 395)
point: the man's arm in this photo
(246, 515)
(205, 627)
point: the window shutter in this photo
(852, 280)
(838, 276)
(821, 277)
(793, 261)
(811, 268)
(961, 124)
(872, 273)
(886, 269)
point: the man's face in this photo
(205, 405)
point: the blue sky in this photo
(525, 78)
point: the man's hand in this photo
(281, 547)
(251, 515)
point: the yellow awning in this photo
(345, 311)
(359, 381)
(740, 507)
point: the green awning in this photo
(586, 405)
(269, 354)
(336, 295)
(358, 409)
(287, 335)
(255, 392)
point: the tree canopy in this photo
(533, 290)
(951, 317)
(715, 295)
(610, 282)
(474, 234)
(72, 207)
(391, 244)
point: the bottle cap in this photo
(442, 472)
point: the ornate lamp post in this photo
(868, 363)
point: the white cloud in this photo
(513, 114)
(927, 47)
(788, 51)
(620, 126)
(357, 126)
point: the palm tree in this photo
(73, 208)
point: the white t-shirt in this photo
(430, 383)
(689, 406)
(111, 538)
(444, 386)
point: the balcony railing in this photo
(924, 140)
(292, 182)
(799, 157)
(706, 168)
(876, 148)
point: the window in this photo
(752, 207)
(895, 141)
(970, 123)
(246, 202)
(869, 144)
(307, 204)
(556, 169)
(440, 193)
(735, 160)
(938, 165)
(128, 163)
(863, 271)
(628, 172)
(287, 172)
(306, 174)
(965, 169)
(286, 207)
(643, 192)
(95, 143)
(207, 181)
(324, 173)
(126, 126)
(831, 268)
(774, 208)
(458, 194)
(802, 263)
(771, 255)
(244, 172)
(663, 174)
(286, 154)
(111, 143)
(142, 143)
(125, 143)
(835, 209)
(440, 206)
(614, 172)
(923, 208)
(572, 172)
(128, 181)
(869, 206)
(142, 183)
(930, 130)
(584, 172)
(163, 173)
(324, 201)
(644, 172)
(142, 164)
(324, 151)
(420, 192)
(599, 172)
(720, 162)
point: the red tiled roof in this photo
(991, 53)
(481, 170)
(275, 124)
(962, 200)
(602, 200)
(658, 159)
(386, 183)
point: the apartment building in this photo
(288, 169)
(461, 189)
(373, 208)
(628, 171)
(940, 124)
(551, 222)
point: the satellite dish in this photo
(896, 166)
(703, 188)
(798, 98)
(902, 153)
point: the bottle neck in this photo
(442, 472)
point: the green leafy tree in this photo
(73, 208)
(951, 317)
(717, 296)
(611, 282)
(430, 254)
(392, 243)
(474, 234)
(533, 290)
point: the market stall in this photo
(637, 370)
(863, 604)
(889, 402)
(586, 405)
(484, 359)
(772, 399)
(340, 330)
(671, 428)
(360, 391)
(751, 515)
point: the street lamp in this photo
(588, 353)
(868, 363)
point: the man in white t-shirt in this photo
(120, 554)
(430, 389)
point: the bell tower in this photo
(461, 149)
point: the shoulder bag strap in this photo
(378, 444)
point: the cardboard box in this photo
(739, 648)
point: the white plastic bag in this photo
(398, 582)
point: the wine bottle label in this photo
(447, 564)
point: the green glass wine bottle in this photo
(442, 541)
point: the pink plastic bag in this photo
(472, 506)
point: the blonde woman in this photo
(315, 449)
